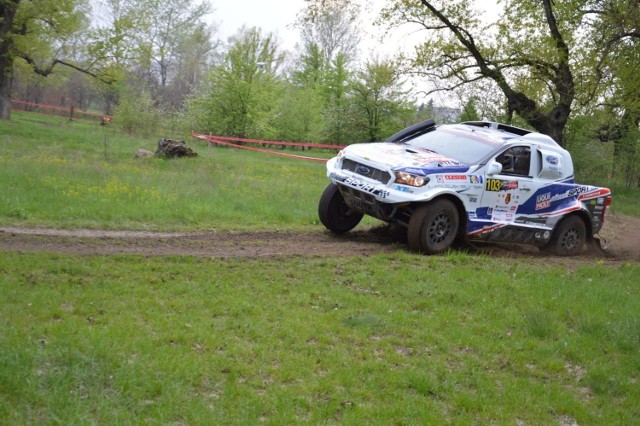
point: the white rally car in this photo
(479, 181)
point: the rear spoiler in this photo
(413, 131)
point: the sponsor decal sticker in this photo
(402, 188)
(455, 177)
(505, 208)
(572, 192)
(418, 172)
(360, 185)
(475, 179)
(510, 185)
(543, 201)
(552, 159)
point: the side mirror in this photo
(494, 168)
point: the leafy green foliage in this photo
(299, 114)
(378, 102)
(592, 159)
(470, 111)
(242, 93)
(136, 113)
(48, 27)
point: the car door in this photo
(505, 191)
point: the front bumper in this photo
(386, 201)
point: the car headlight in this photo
(405, 178)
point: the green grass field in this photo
(397, 339)
(56, 173)
(383, 339)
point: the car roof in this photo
(506, 133)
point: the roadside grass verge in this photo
(78, 174)
(389, 339)
(626, 201)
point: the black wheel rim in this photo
(439, 229)
(571, 239)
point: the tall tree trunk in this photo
(5, 91)
(8, 9)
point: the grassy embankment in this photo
(396, 338)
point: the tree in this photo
(313, 67)
(299, 116)
(529, 53)
(378, 99)
(470, 111)
(8, 10)
(331, 25)
(170, 23)
(335, 110)
(195, 55)
(161, 44)
(330, 37)
(615, 36)
(242, 94)
(43, 33)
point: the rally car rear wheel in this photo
(334, 212)
(569, 237)
(433, 227)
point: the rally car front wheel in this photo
(334, 212)
(433, 227)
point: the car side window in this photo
(515, 161)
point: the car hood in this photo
(403, 157)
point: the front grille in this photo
(367, 203)
(353, 194)
(366, 171)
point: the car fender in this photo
(434, 193)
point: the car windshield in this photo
(462, 145)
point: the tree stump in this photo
(169, 148)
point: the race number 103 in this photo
(494, 184)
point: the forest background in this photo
(565, 68)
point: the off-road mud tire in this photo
(334, 212)
(569, 237)
(433, 227)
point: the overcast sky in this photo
(270, 16)
(278, 17)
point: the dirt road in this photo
(622, 235)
